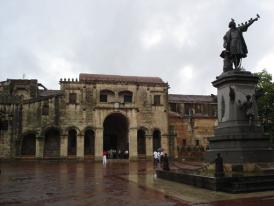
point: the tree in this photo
(265, 101)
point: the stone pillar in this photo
(80, 146)
(64, 146)
(99, 143)
(164, 143)
(149, 146)
(39, 150)
(132, 140)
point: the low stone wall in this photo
(230, 184)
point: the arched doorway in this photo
(72, 142)
(116, 136)
(156, 139)
(141, 143)
(52, 143)
(89, 142)
(28, 145)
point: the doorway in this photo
(116, 136)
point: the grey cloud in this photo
(50, 39)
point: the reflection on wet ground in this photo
(118, 183)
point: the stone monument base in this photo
(239, 138)
(240, 144)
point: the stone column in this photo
(39, 150)
(98, 143)
(132, 140)
(64, 146)
(164, 143)
(80, 146)
(149, 146)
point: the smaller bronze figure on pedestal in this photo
(219, 167)
(234, 44)
(249, 108)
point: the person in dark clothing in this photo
(165, 162)
(219, 167)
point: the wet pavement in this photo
(117, 183)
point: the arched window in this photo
(105, 94)
(126, 95)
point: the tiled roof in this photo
(192, 98)
(119, 78)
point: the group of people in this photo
(114, 154)
(117, 154)
(160, 160)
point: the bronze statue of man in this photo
(234, 43)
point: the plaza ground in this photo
(118, 183)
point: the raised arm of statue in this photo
(244, 26)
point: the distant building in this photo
(192, 119)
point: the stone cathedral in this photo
(127, 116)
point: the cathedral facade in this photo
(126, 115)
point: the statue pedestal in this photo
(239, 138)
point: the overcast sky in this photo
(177, 40)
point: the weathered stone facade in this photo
(82, 118)
(101, 112)
(192, 118)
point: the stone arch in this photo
(73, 128)
(49, 127)
(125, 91)
(115, 134)
(107, 91)
(28, 145)
(89, 141)
(71, 134)
(156, 139)
(52, 142)
(72, 141)
(141, 142)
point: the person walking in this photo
(155, 158)
(104, 158)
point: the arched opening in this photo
(156, 140)
(28, 145)
(141, 143)
(89, 142)
(72, 142)
(52, 143)
(116, 136)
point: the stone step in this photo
(251, 186)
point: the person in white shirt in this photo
(155, 158)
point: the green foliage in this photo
(265, 101)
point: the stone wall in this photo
(192, 130)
